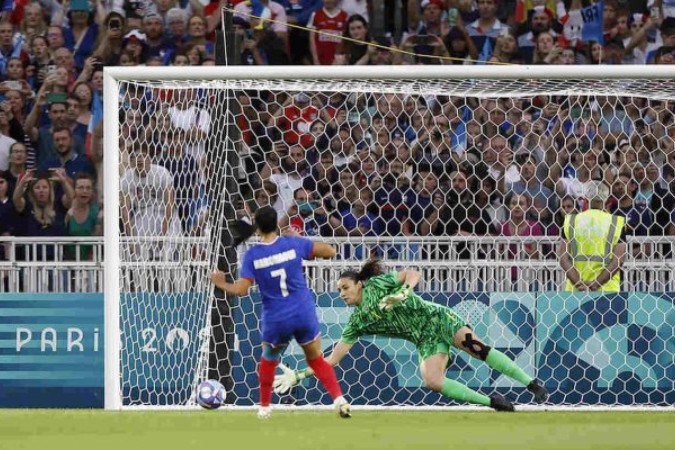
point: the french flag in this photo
(96, 118)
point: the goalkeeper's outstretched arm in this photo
(409, 278)
(283, 383)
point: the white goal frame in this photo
(115, 75)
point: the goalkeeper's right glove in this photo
(283, 383)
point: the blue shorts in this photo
(303, 326)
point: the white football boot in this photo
(264, 412)
(343, 407)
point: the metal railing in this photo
(449, 264)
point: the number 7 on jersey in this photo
(281, 273)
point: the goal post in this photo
(208, 140)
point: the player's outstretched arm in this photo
(238, 288)
(322, 250)
(283, 383)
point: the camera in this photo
(115, 24)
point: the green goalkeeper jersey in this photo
(415, 320)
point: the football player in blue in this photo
(288, 307)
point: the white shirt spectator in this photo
(146, 195)
(5, 143)
(286, 186)
(188, 118)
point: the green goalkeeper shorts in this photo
(450, 325)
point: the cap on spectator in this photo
(135, 35)
(152, 15)
(79, 5)
(623, 143)
(596, 190)
(668, 26)
(438, 3)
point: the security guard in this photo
(593, 247)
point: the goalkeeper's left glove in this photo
(283, 383)
(391, 300)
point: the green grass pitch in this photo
(320, 430)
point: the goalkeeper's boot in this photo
(539, 391)
(343, 407)
(264, 412)
(499, 403)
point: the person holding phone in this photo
(41, 199)
(110, 47)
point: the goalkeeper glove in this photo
(283, 383)
(391, 300)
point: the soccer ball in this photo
(210, 394)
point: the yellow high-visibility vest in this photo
(592, 236)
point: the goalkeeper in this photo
(386, 305)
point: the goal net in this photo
(463, 173)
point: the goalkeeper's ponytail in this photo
(370, 269)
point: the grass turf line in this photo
(299, 430)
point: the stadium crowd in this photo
(332, 164)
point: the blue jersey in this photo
(277, 268)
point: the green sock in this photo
(502, 363)
(462, 393)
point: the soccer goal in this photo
(462, 172)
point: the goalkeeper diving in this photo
(386, 305)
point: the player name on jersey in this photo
(272, 260)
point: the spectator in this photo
(176, 20)
(506, 48)
(184, 170)
(486, 28)
(356, 50)
(158, 44)
(328, 22)
(33, 23)
(288, 176)
(5, 141)
(8, 48)
(55, 39)
(65, 156)
(542, 198)
(622, 204)
(40, 212)
(6, 210)
(148, 205)
(134, 46)
(17, 165)
(40, 58)
(298, 12)
(84, 96)
(306, 216)
(83, 31)
(357, 220)
(188, 115)
(110, 48)
(517, 224)
(84, 218)
(419, 202)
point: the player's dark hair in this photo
(266, 219)
(370, 269)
